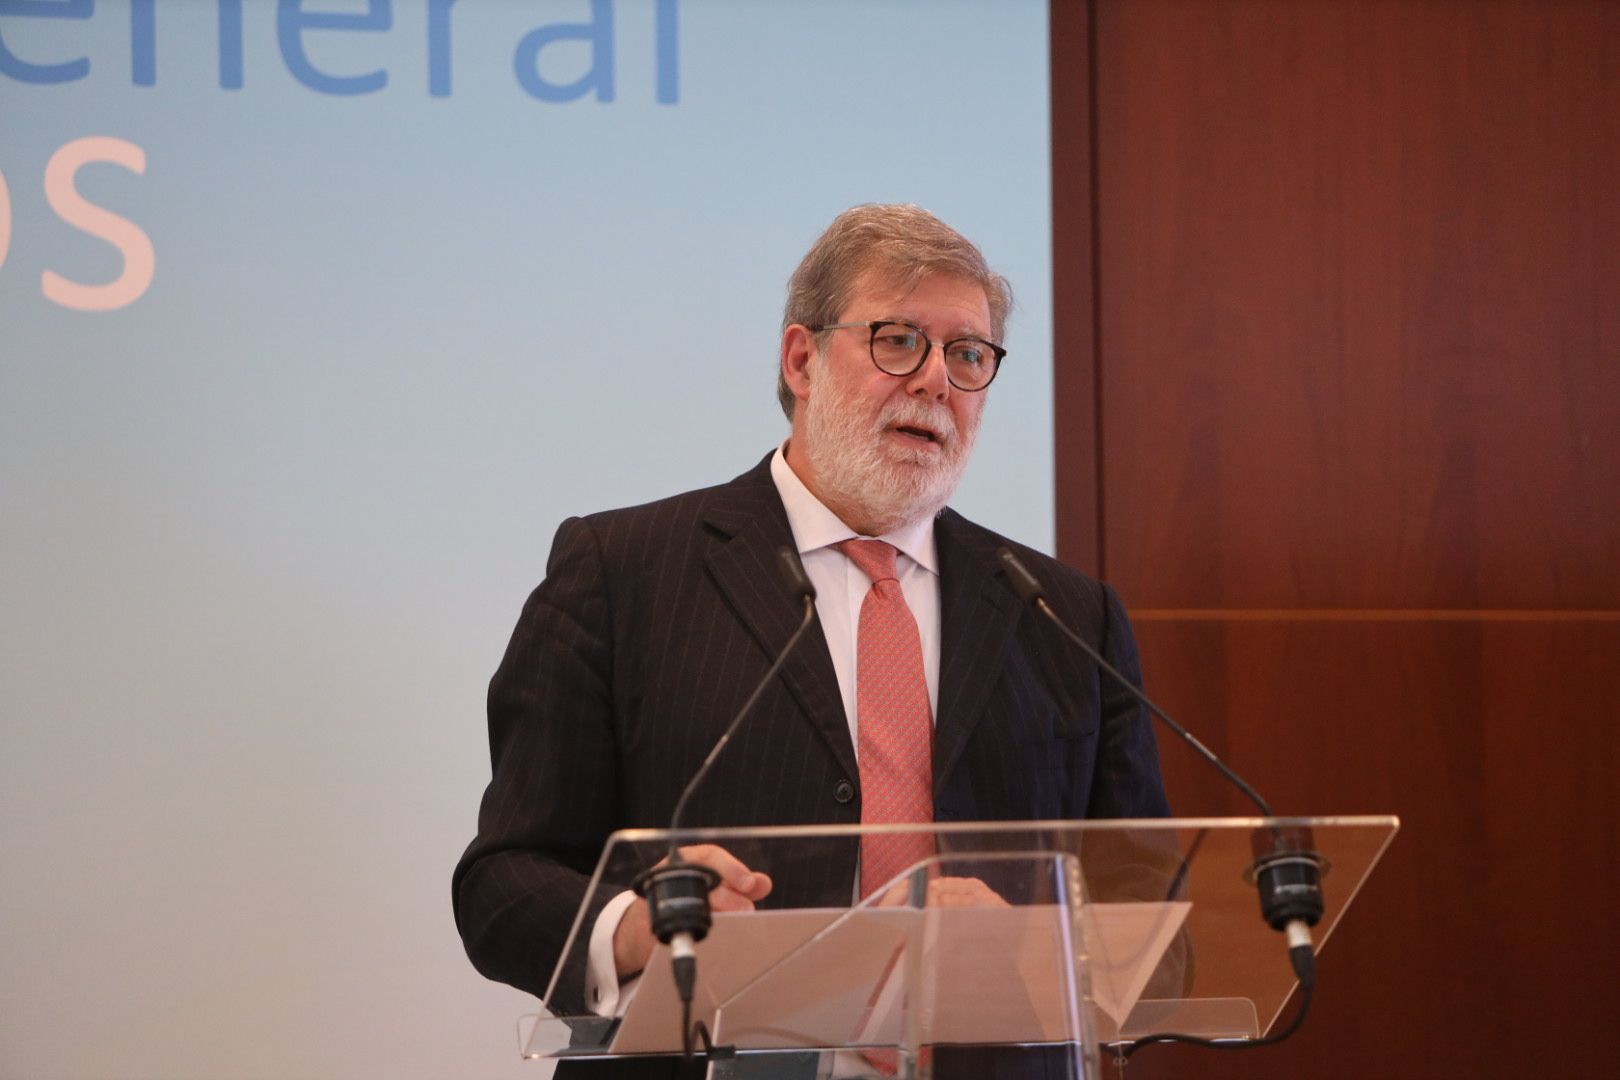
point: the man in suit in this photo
(655, 622)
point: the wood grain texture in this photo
(1356, 348)
(1360, 303)
(1075, 423)
(1482, 944)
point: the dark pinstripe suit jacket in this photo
(652, 626)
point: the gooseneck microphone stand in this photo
(1287, 874)
(677, 890)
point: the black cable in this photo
(1304, 961)
(685, 970)
(701, 1030)
(677, 892)
(1288, 876)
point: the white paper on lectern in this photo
(993, 974)
(802, 997)
(1127, 941)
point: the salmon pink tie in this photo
(893, 717)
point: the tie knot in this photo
(874, 557)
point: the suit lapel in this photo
(749, 514)
(978, 615)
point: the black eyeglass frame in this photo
(928, 347)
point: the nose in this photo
(930, 380)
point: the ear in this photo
(798, 348)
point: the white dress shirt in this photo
(841, 587)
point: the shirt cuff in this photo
(604, 994)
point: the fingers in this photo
(896, 895)
(724, 899)
(962, 892)
(738, 890)
(739, 886)
(945, 892)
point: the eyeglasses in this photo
(899, 349)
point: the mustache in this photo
(914, 413)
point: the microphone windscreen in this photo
(1023, 582)
(793, 575)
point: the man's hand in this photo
(946, 892)
(739, 888)
(963, 892)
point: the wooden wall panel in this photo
(1355, 370)
(1360, 303)
(1075, 424)
(1486, 935)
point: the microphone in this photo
(1288, 876)
(677, 891)
(1029, 590)
(793, 576)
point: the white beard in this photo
(862, 472)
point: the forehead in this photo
(942, 302)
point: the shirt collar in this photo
(815, 527)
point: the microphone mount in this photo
(677, 890)
(1286, 872)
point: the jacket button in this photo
(843, 791)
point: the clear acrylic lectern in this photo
(1064, 935)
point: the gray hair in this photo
(902, 242)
